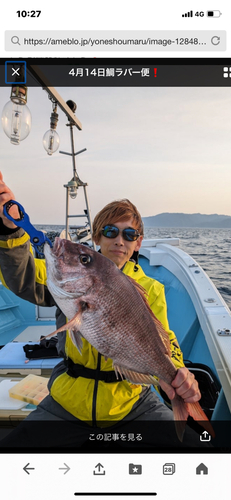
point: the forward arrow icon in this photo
(66, 468)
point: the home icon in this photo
(202, 469)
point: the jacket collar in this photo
(133, 270)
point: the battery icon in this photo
(213, 13)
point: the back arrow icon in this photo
(66, 468)
(26, 468)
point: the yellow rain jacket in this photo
(94, 401)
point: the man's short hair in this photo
(116, 211)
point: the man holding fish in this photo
(117, 337)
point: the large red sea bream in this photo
(111, 312)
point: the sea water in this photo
(211, 248)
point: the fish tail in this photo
(180, 414)
(195, 411)
(182, 410)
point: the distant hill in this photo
(188, 220)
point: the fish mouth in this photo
(58, 247)
(56, 251)
(48, 251)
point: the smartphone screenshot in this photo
(115, 220)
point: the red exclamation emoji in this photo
(155, 71)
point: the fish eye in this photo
(85, 259)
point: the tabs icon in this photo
(169, 469)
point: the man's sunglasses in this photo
(129, 234)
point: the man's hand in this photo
(7, 195)
(184, 384)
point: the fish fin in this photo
(135, 377)
(74, 323)
(118, 371)
(76, 338)
(139, 287)
(161, 331)
(62, 329)
(182, 410)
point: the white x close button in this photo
(15, 72)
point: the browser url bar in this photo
(161, 41)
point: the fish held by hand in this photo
(110, 310)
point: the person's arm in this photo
(19, 271)
(184, 384)
(6, 195)
(159, 308)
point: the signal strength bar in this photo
(188, 14)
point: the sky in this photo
(165, 149)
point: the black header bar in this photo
(114, 72)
